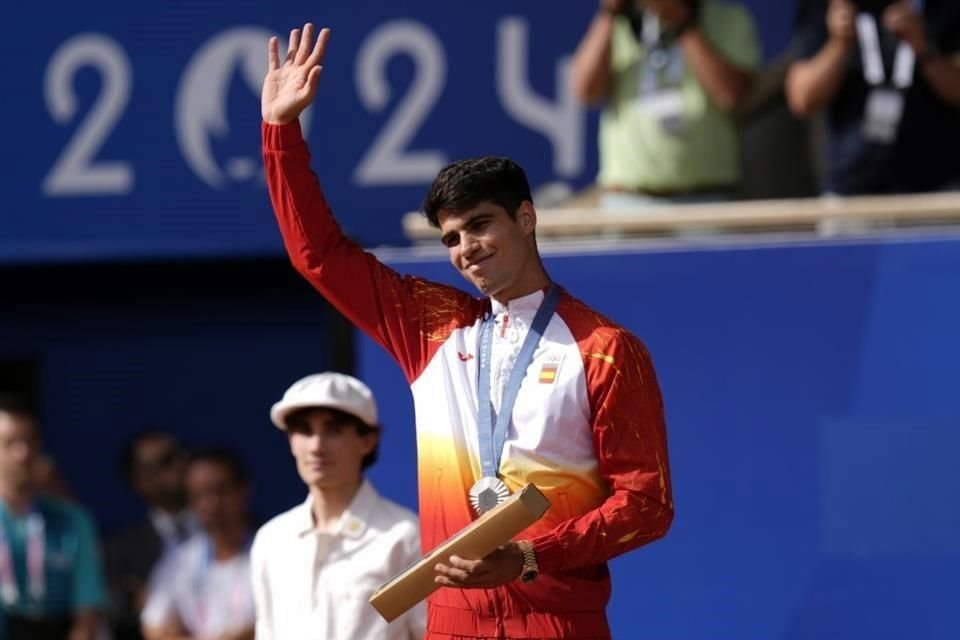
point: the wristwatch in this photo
(530, 569)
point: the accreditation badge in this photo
(882, 115)
(9, 594)
(668, 108)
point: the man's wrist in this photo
(278, 121)
(530, 569)
(281, 136)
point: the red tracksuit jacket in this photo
(587, 427)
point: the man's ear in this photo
(527, 216)
(371, 440)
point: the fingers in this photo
(842, 7)
(313, 80)
(444, 581)
(464, 564)
(840, 19)
(898, 14)
(273, 54)
(462, 573)
(903, 21)
(893, 22)
(319, 49)
(451, 575)
(293, 45)
(303, 51)
(500, 567)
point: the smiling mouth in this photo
(473, 266)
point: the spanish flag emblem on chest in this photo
(549, 370)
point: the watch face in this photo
(529, 576)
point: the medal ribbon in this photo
(493, 438)
(903, 62)
(659, 57)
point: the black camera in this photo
(634, 12)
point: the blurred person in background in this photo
(670, 74)
(201, 588)
(154, 464)
(316, 566)
(887, 73)
(51, 582)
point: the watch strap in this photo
(530, 568)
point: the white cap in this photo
(327, 390)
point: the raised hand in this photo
(290, 87)
(905, 22)
(841, 18)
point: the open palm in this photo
(290, 87)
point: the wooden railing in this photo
(806, 214)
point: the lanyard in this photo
(903, 61)
(659, 57)
(493, 439)
(36, 550)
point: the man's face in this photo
(159, 468)
(328, 451)
(488, 247)
(19, 450)
(217, 499)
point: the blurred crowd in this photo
(677, 78)
(199, 565)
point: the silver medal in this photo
(486, 493)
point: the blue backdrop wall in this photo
(813, 416)
(811, 399)
(133, 128)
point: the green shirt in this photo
(72, 575)
(635, 151)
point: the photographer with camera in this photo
(670, 73)
(888, 74)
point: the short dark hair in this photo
(128, 454)
(17, 405)
(345, 419)
(466, 183)
(227, 460)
